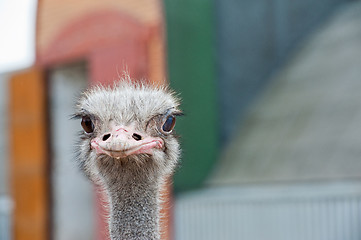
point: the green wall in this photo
(191, 69)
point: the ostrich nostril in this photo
(137, 137)
(106, 136)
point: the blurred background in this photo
(271, 90)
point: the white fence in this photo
(313, 212)
(5, 218)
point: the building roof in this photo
(307, 124)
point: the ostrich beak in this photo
(125, 141)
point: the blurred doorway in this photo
(72, 195)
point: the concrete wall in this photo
(5, 202)
(254, 40)
(4, 163)
(306, 125)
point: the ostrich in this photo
(128, 147)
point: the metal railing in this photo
(302, 214)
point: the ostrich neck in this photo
(134, 210)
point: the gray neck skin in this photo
(134, 210)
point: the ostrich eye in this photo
(168, 124)
(87, 124)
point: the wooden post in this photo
(29, 155)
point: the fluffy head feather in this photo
(144, 108)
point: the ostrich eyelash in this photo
(75, 116)
(178, 114)
(82, 114)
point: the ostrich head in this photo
(127, 133)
